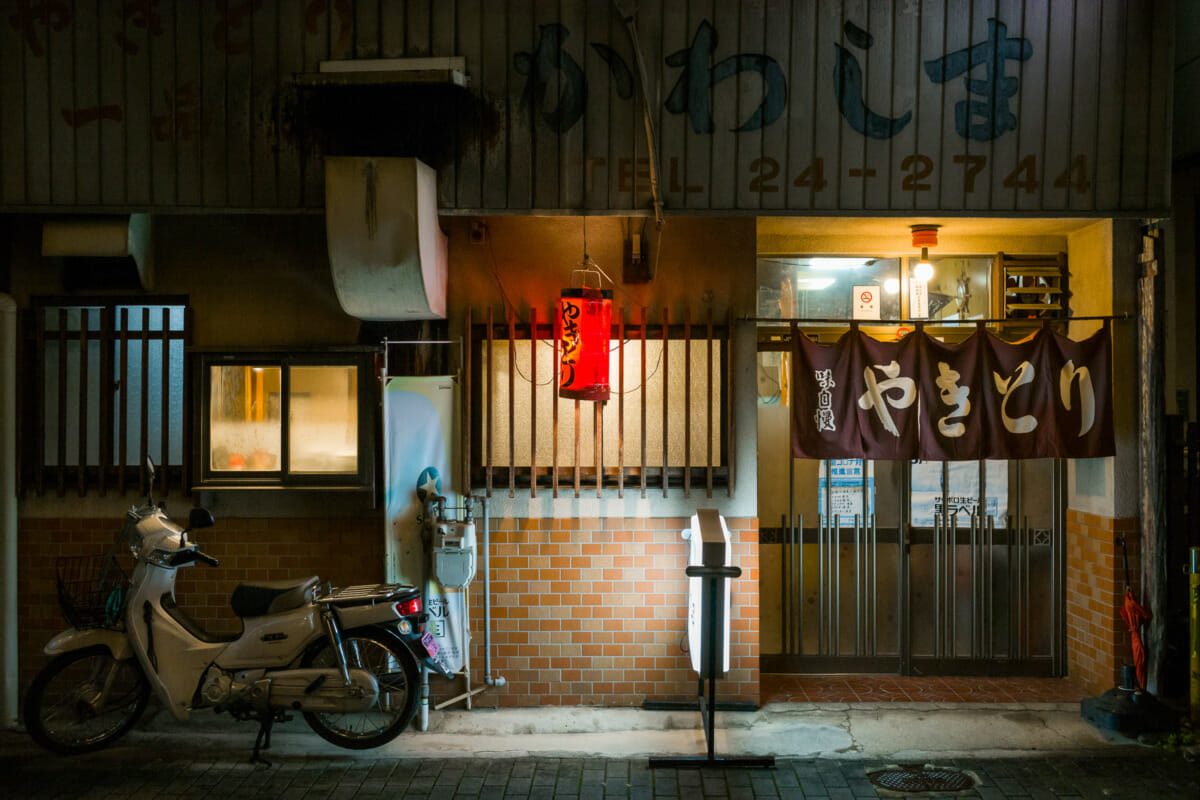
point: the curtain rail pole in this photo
(878, 322)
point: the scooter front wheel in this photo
(85, 700)
(394, 669)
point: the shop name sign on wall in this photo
(773, 104)
(972, 105)
(1044, 397)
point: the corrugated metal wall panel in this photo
(759, 106)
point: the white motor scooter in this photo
(348, 659)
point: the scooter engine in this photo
(321, 690)
(232, 690)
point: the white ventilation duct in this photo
(104, 237)
(386, 250)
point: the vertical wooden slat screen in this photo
(597, 472)
(730, 402)
(185, 429)
(533, 342)
(643, 409)
(708, 473)
(144, 441)
(554, 409)
(39, 433)
(82, 392)
(93, 405)
(598, 445)
(123, 416)
(666, 407)
(62, 401)
(687, 402)
(512, 408)
(578, 430)
(621, 404)
(491, 386)
(105, 450)
(166, 393)
(468, 387)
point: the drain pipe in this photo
(488, 678)
(8, 507)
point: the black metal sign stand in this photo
(714, 584)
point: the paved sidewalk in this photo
(822, 751)
(211, 775)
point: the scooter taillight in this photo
(406, 608)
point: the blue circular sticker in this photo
(428, 483)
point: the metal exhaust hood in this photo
(387, 252)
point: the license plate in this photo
(431, 645)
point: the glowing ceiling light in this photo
(838, 263)
(891, 285)
(814, 284)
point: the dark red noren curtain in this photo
(1044, 397)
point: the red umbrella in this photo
(1135, 616)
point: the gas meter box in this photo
(454, 553)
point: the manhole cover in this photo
(921, 779)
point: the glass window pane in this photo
(245, 426)
(820, 287)
(960, 287)
(323, 419)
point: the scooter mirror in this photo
(149, 481)
(200, 518)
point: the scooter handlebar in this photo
(183, 557)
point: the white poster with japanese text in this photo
(929, 501)
(419, 427)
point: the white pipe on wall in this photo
(8, 508)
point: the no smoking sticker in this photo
(865, 302)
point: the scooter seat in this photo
(271, 597)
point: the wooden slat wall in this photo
(515, 414)
(185, 106)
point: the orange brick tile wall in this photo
(1097, 637)
(593, 612)
(346, 551)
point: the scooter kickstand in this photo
(263, 740)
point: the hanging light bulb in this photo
(923, 270)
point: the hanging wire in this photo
(530, 381)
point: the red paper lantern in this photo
(584, 323)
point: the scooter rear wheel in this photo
(394, 669)
(85, 700)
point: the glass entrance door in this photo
(932, 568)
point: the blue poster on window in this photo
(841, 487)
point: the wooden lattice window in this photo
(106, 393)
(666, 424)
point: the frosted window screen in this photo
(703, 407)
(245, 427)
(126, 394)
(323, 419)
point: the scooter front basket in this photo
(92, 591)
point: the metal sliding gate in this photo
(918, 568)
